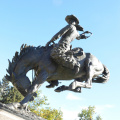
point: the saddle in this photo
(77, 53)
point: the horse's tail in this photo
(104, 77)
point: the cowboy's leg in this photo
(69, 62)
(59, 55)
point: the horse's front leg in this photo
(35, 86)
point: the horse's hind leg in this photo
(90, 74)
(94, 68)
(35, 86)
(74, 86)
(90, 69)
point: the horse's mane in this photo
(24, 49)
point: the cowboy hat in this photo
(71, 17)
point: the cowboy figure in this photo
(67, 34)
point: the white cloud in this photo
(101, 108)
(57, 2)
(109, 106)
(69, 115)
(71, 96)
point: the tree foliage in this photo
(98, 117)
(9, 94)
(47, 112)
(4, 88)
(51, 114)
(88, 114)
(13, 96)
(38, 102)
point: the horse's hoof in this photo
(59, 89)
(78, 89)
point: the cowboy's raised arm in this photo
(82, 36)
(59, 34)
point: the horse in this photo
(46, 69)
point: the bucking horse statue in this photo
(46, 68)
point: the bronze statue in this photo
(56, 62)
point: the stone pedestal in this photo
(9, 114)
(4, 115)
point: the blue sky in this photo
(35, 22)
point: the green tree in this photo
(38, 102)
(13, 96)
(51, 114)
(47, 112)
(98, 117)
(9, 94)
(1, 90)
(88, 114)
(4, 89)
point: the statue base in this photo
(9, 114)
